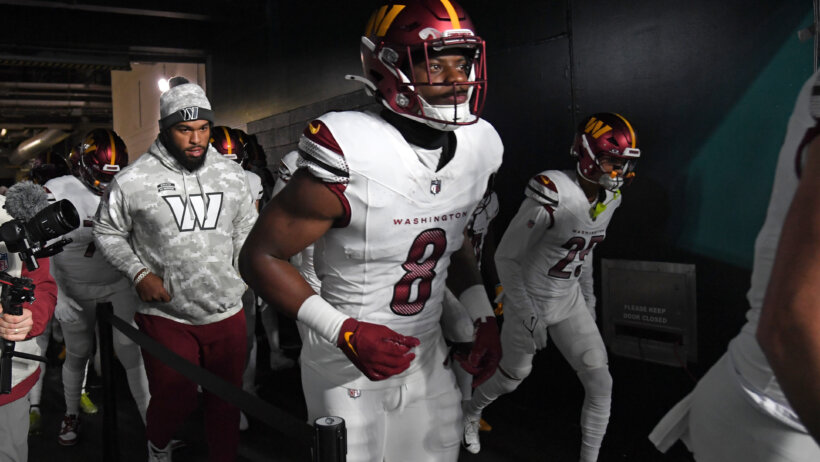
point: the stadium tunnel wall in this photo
(708, 86)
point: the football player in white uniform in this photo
(542, 259)
(386, 199)
(85, 278)
(44, 167)
(228, 142)
(738, 410)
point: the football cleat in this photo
(35, 421)
(484, 426)
(87, 405)
(470, 441)
(156, 454)
(69, 430)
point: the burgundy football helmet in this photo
(103, 155)
(229, 143)
(255, 153)
(48, 165)
(606, 134)
(399, 34)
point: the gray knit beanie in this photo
(183, 102)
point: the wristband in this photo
(322, 317)
(476, 302)
(141, 275)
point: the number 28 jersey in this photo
(386, 261)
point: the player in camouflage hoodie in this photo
(173, 222)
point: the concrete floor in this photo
(538, 422)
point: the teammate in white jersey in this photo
(386, 199)
(85, 279)
(44, 167)
(543, 261)
(738, 410)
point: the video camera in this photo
(28, 239)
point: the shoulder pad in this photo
(287, 166)
(542, 190)
(321, 154)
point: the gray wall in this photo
(708, 85)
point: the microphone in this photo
(25, 199)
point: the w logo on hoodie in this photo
(195, 211)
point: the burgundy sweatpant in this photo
(218, 348)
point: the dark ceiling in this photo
(56, 57)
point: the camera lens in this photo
(53, 221)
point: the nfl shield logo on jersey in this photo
(354, 393)
(4, 261)
(435, 186)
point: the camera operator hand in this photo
(16, 328)
(151, 289)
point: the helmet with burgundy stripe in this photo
(229, 143)
(606, 138)
(103, 155)
(400, 35)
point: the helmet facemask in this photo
(103, 155)
(408, 100)
(95, 176)
(400, 37)
(590, 168)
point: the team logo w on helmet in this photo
(435, 186)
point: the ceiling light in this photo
(163, 85)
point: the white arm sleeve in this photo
(521, 236)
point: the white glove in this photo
(537, 328)
(67, 310)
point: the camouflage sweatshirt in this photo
(186, 227)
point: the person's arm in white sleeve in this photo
(518, 242)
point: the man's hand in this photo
(16, 328)
(151, 289)
(67, 310)
(485, 354)
(376, 350)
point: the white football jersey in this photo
(255, 185)
(80, 261)
(386, 261)
(549, 242)
(754, 371)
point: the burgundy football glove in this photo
(376, 350)
(485, 354)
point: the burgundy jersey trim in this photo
(545, 182)
(551, 211)
(339, 190)
(318, 132)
